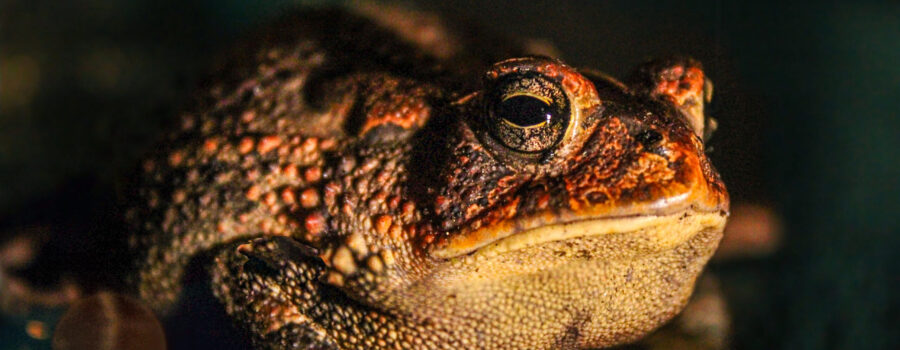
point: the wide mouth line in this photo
(677, 227)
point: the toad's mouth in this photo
(663, 230)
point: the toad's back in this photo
(249, 154)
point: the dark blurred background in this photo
(806, 96)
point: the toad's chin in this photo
(613, 278)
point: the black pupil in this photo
(524, 111)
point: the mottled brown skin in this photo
(340, 184)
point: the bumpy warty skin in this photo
(344, 186)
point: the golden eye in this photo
(528, 112)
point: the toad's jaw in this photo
(665, 230)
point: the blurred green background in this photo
(806, 96)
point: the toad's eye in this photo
(527, 112)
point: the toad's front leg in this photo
(270, 284)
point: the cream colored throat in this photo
(666, 231)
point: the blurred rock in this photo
(18, 249)
(753, 230)
(108, 321)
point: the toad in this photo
(349, 180)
